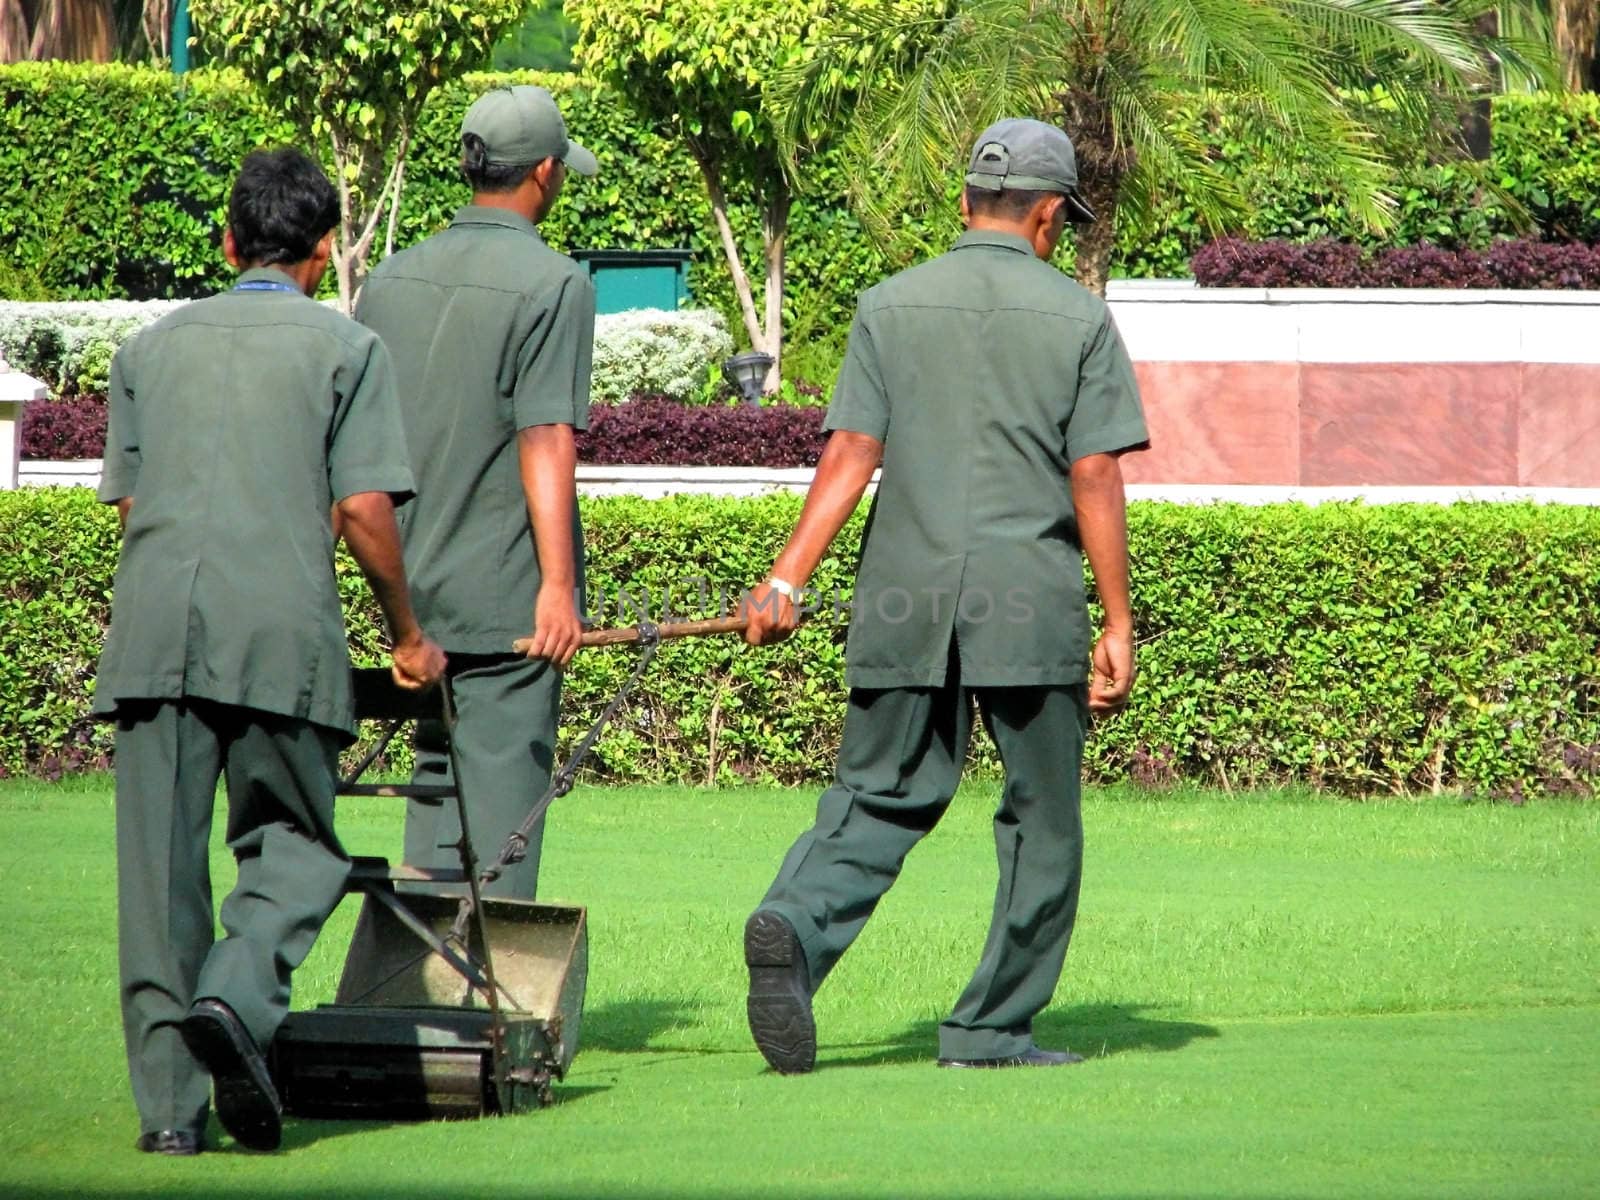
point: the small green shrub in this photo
(1381, 649)
(21, 283)
(1547, 151)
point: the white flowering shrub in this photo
(655, 351)
(69, 345)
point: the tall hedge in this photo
(112, 182)
(1364, 649)
(113, 178)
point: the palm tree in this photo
(79, 30)
(15, 31)
(1340, 79)
(1576, 28)
(84, 30)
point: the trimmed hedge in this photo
(114, 178)
(1395, 649)
(146, 221)
(112, 182)
(1521, 264)
(648, 430)
(661, 431)
(68, 429)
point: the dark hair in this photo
(485, 176)
(1012, 204)
(281, 206)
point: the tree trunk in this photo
(1577, 31)
(342, 267)
(362, 207)
(774, 233)
(393, 222)
(1102, 164)
(74, 30)
(1095, 242)
(157, 22)
(14, 32)
(730, 249)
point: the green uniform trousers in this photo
(505, 735)
(899, 764)
(280, 773)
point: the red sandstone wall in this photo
(1381, 388)
(1313, 424)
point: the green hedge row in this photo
(113, 178)
(1365, 649)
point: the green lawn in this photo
(1282, 996)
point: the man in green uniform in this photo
(241, 428)
(997, 396)
(493, 334)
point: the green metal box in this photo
(629, 279)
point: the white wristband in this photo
(784, 588)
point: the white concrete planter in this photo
(1173, 320)
(655, 483)
(17, 391)
(650, 482)
(79, 472)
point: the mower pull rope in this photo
(649, 637)
(516, 845)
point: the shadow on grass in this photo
(1093, 1030)
(632, 1024)
(300, 1132)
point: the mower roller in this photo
(450, 1004)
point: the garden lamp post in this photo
(746, 372)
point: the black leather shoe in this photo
(247, 1103)
(179, 1143)
(779, 1003)
(1031, 1057)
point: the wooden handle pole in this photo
(672, 629)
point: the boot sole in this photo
(779, 1003)
(247, 1103)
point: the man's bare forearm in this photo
(370, 531)
(845, 469)
(548, 458)
(1101, 505)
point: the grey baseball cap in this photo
(522, 125)
(1031, 156)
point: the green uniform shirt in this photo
(986, 373)
(491, 332)
(235, 425)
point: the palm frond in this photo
(1356, 85)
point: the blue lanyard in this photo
(264, 285)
